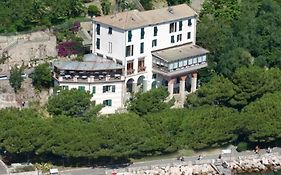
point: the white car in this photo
(3, 77)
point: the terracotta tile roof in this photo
(135, 19)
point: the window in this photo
(130, 36)
(199, 59)
(190, 62)
(141, 47)
(173, 27)
(107, 102)
(184, 62)
(141, 66)
(204, 58)
(176, 65)
(109, 58)
(172, 39)
(189, 22)
(142, 33)
(130, 67)
(154, 76)
(180, 26)
(194, 61)
(93, 89)
(188, 35)
(98, 29)
(98, 43)
(64, 87)
(154, 43)
(110, 47)
(110, 88)
(119, 62)
(110, 30)
(180, 63)
(155, 31)
(179, 37)
(81, 88)
(129, 50)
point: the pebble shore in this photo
(247, 164)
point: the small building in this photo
(103, 78)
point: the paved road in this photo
(148, 164)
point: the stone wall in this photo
(257, 163)
(27, 49)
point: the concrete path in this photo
(3, 169)
(234, 155)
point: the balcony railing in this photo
(130, 71)
(89, 78)
(141, 69)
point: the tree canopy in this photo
(16, 78)
(74, 102)
(17, 15)
(149, 102)
(42, 76)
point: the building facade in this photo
(154, 48)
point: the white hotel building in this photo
(136, 51)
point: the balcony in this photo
(130, 71)
(165, 71)
(88, 77)
(141, 68)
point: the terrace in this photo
(179, 60)
(88, 72)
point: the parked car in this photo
(24, 75)
(54, 171)
(3, 77)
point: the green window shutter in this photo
(109, 30)
(155, 31)
(180, 26)
(98, 43)
(172, 39)
(94, 90)
(109, 102)
(98, 29)
(127, 51)
(189, 22)
(81, 88)
(113, 88)
(130, 36)
(104, 89)
(142, 48)
(142, 33)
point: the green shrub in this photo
(242, 146)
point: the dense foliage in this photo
(74, 102)
(16, 78)
(244, 87)
(42, 76)
(240, 33)
(93, 10)
(149, 102)
(18, 15)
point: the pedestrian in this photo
(257, 149)
(268, 150)
(220, 156)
